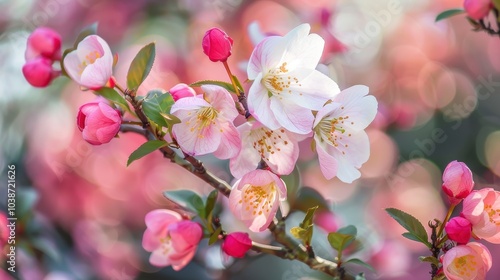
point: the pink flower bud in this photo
(38, 72)
(217, 45)
(457, 181)
(477, 9)
(98, 122)
(181, 90)
(44, 42)
(236, 244)
(459, 230)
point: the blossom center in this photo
(265, 141)
(277, 81)
(332, 130)
(465, 266)
(257, 199)
(166, 244)
(493, 213)
(90, 58)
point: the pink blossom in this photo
(236, 244)
(44, 42)
(4, 230)
(172, 240)
(341, 142)
(181, 90)
(98, 122)
(286, 85)
(91, 64)
(39, 72)
(278, 148)
(467, 262)
(207, 123)
(217, 45)
(477, 9)
(459, 230)
(326, 220)
(482, 209)
(457, 181)
(255, 199)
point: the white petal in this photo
(351, 152)
(195, 141)
(230, 143)
(266, 55)
(248, 158)
(188, 104)
(291, 116)
(259, 104)
(303, 49)
(360, 108)
(221, 100)
(72, 66)
(327, 163)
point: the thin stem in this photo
(242, 106)
(131, 122)
(443, 223)
(228, 70)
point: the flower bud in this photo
(181, 90)
(236, 244)
(217, 45)
(44, 42)
(38, 72)
(477, 9)
(98, 122)
(459, 230)
(457, 181)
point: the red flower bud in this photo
(477, 9)
(98, 122)
(44, 42)
(457, 181)
(38, 72)
(217, 45)
(181, 90)
(459, 229)
(236, 244)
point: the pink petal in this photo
(259, 104)
(150, 240)
(185, 235)
(72, 66)
(327, 163)
(292, 116)
(194, 141)
(159, 259)
(180, 261)
(221, 100)
(266, 55)
(248, 158)
(230, 143)
(159, 219)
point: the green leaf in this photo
(156, 106)
(339, 241)
(307, 198)
(215, 236)
(299, 232)
(449, 13)
(362, 263)
(411, 224)
(496, 3)
(308, 219)
(228, 86)
(141, 66)
(87, 31)
(145, 149)
(112, 95)
(238, 84)
(349, 230)
(210, 204)
(292, 182)
(188, 200)
(429, 259)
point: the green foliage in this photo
(238, 83)
(156, 106)
(210, 204)
(342, 238)
(146, 149)
(416, 230)
(360, 262)
(429, 259)
(449, 13)
(215, 236)
(228, 86)
(141, 66)
(112, 95)
(188, 200)
(308, 198)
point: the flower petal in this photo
(159, 219)
(327, 163)
(266, 55)
(221, 100)
(259, 104)
(303, 49)
(360, 108)
(292, 116)
(230, 143)
(248, 158)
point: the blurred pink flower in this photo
(467, 262)
(236, 244)
(181, 90)
(39, 72)
(4, 230)
(457, 181)
(286, 84)
(278, 148)
(217, 45)
(255, 198)
(91, 64)
(172, 240)
(44, 42)
(326, 220)
(207, 123)
(459, 230)
(482, 209)
(98, 122)
(477, 9)
(341, 142)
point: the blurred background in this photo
(81, 210)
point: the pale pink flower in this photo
(44, 42)
(172, 240)
(207, 123)
(459, 230)
(477, 9)
(482, 209)
(457, 181)
(255, 198)
(91, 64)
(341, 142)
(181, 90)
(467, 262)
(236, 244)
(278, 148)
(286, 84)
(98, 122)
